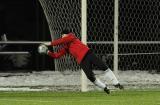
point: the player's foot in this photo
(119, 86)
(107, 90)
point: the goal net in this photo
(62, 14)
(139, 46)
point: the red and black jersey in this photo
(72, 45)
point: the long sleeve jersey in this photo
(72, 45)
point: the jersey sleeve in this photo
(64, 40)
(58, 54)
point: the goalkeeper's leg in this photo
(108, 72)
(87, 68)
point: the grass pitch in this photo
(126, 97)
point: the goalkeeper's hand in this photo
(43, 49)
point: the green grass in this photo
(127, 97)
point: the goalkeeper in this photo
(83, 55)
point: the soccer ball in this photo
(43, 49)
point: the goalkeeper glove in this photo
(43, 49)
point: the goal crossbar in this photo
(125, 42)
(22, 42)
(14, 53)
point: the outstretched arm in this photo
(58, 54)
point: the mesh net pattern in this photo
(100, 20)
(62, 14)
(139, 22)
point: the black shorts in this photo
(88, 61)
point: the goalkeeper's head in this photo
(65, 32)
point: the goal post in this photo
(84, 40)
(116, 14)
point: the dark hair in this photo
(65, 31)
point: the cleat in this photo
(107, 90)
(119, 86)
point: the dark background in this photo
(23, 20)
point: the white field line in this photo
(27, 100)
(54, 101)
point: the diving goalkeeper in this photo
(84, 57)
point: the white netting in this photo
(139, 22)
(138, 36)
(139, 41)
(101, 28)
(63, 14)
